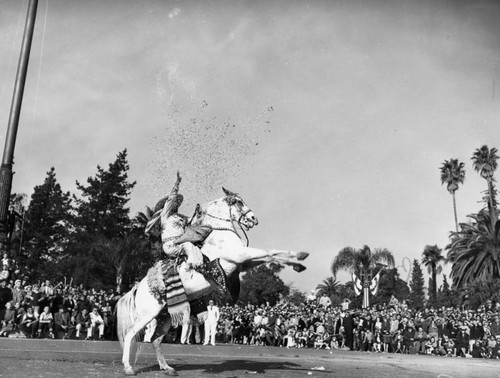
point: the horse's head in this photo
(226, 211)
(239, 211)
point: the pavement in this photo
(82, 359)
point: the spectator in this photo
(96, 321)
(408, 338)
(20, 311)
(28, 298)
(311, 297)
(290, 338)
(82, 322)
(6, 262)
(29, 323)
(462, 343)
(345, 304)
(476, 332)
(18, 293)
(495, 326)
(45, 323)
(62, 324)
(37, 298)
(348, 324)
(8, 320)
(478, 351)
(420, 340)
(211, 323)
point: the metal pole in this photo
(15, 111)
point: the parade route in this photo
(79, 359)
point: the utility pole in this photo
(15, 111)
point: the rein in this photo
(232, 221)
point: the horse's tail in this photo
(126, 315)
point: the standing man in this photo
(211, 323)
(18, 293)
(348, 323)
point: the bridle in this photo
(229, 220)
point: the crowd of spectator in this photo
(388, 328)
(65, 311)
(59, 311)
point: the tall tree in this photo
(484, 161)
(102, 213)
(47, 229)
(262, 284)
(417, 286)
(102, 205)
(432, 258)
(362, 262)
(452, 174)
(446, 297)
(474, 251)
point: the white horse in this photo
(139, 307)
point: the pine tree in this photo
(103, 223)
(446, 297)
(102, 206)
(417, 297)
(48, 224)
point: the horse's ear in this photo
(227, 192)
(197, 210)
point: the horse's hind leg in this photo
(162, 330)
(130, 347)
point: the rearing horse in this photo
(225, 243)
(139, 307)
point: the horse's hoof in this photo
(299, 268)
(172, 372)
(129, 371)
(302, 256)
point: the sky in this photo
(330, 118)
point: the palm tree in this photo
(329, 286)
(432, 259)
(452, 174)
(474, 251)
(362, 262)
(484, 161)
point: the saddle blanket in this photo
(165, 284)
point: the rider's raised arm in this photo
(174, 199)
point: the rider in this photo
(189, 236)
(180, 240)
